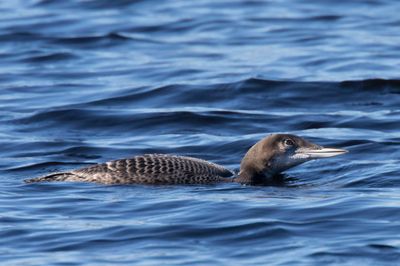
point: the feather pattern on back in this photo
(146, 169)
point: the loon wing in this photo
(147, 169)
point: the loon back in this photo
(146, 169)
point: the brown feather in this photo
(146, 169)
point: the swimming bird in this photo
(265, 159)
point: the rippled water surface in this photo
(83, 82)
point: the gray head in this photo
(277, 153)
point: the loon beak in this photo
(321, 152)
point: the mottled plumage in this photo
(147, 169)
(266, 158)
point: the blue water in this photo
(83, 82)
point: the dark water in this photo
(83, 82)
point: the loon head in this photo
(277, 153)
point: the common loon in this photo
(265, 159)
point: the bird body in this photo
(266, 158)
(147, 169)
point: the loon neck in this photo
(252, 177)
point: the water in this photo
(88, 81)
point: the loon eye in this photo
(288, 142)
